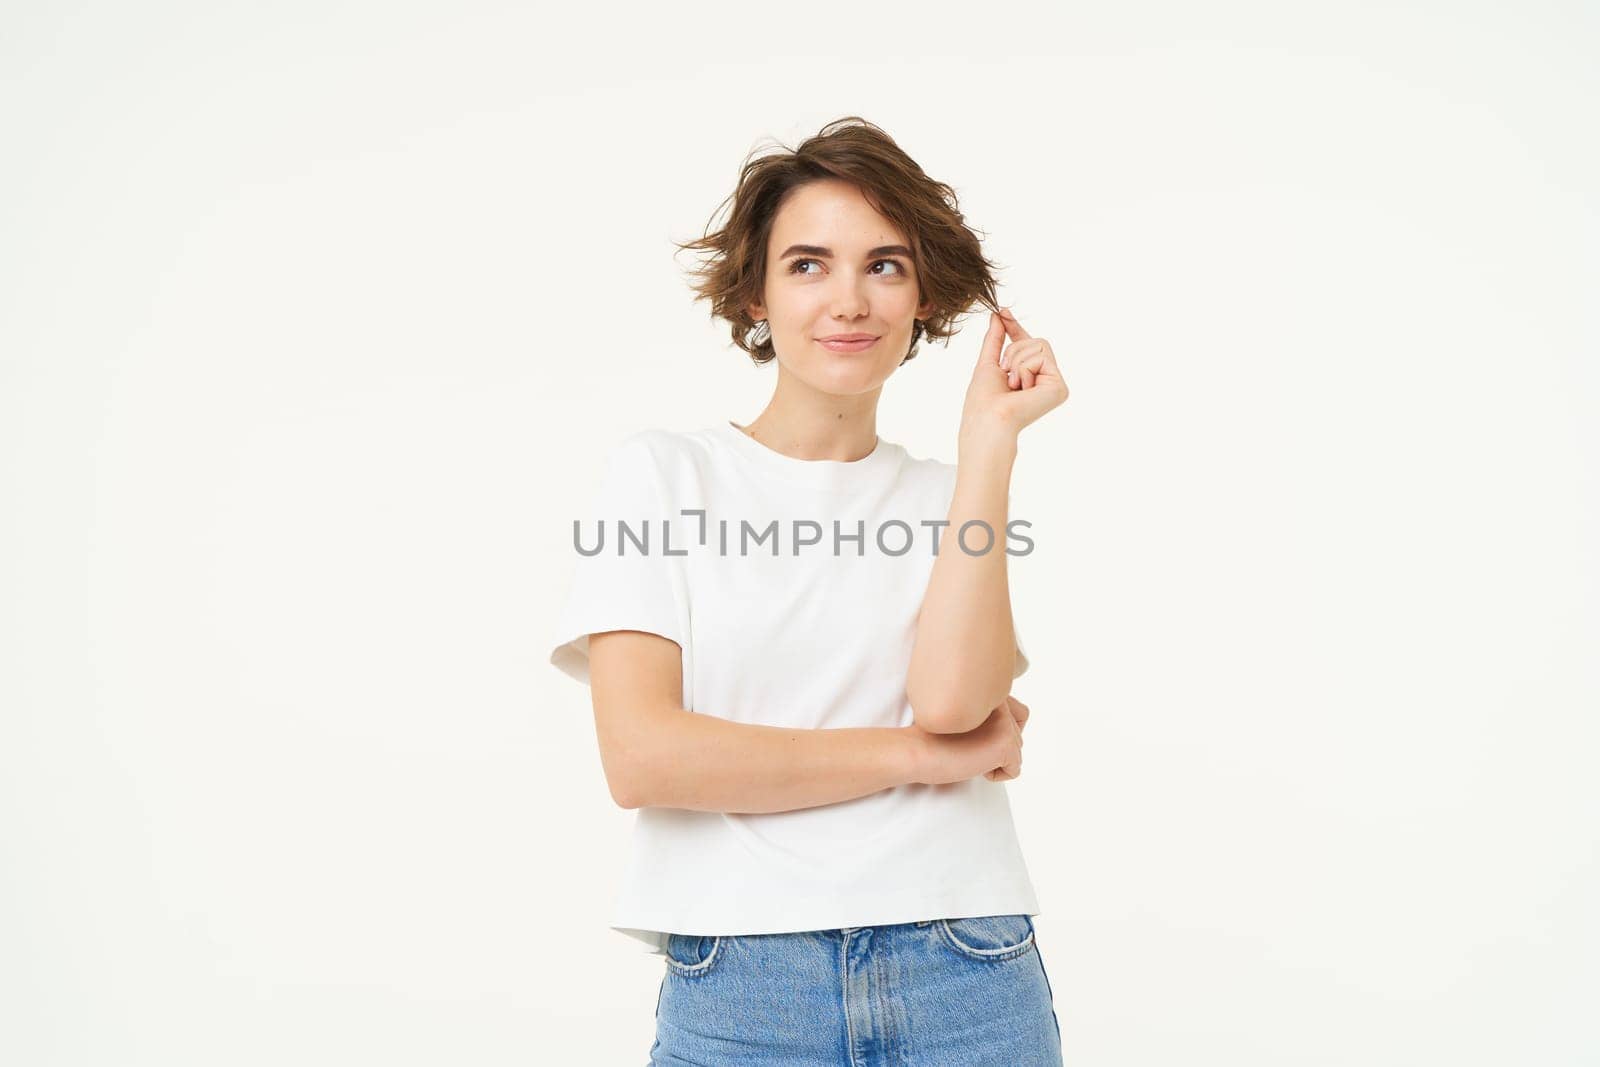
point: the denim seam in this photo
(694, 970)
(996, 954)
(844, 985)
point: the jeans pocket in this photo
(991, 938)
(692, 955)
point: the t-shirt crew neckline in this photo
(817, 473)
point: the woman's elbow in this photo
(938, 717)
(623, 780)
(623, 791)
(953, 717)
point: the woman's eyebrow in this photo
(827, 253)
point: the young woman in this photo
(800, 648)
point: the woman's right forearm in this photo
(691, 760)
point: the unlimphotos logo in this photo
(892, 537)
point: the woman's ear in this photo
(757, 311)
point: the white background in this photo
(317, 319)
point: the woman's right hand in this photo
(993, 750)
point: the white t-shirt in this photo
(776, 628)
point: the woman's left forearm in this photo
(963, 657)
(964, 654)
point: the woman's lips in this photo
(848, 346)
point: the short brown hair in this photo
(952, 272)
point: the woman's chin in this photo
(850, 378)
(841, 374)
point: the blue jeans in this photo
(937, 993)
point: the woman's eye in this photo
(794, 268)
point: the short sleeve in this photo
(621, 582)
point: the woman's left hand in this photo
(1011, 389)
(1019, 712)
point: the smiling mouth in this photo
(847, 346)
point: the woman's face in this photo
(836, 266)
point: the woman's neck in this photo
(829, 433)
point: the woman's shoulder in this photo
(666, 457)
